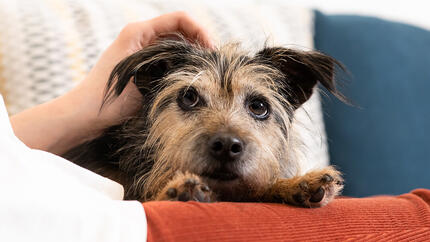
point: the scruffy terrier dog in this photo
(215, 125)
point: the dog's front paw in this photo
(186, 187)
(317, 188)
(314, 189)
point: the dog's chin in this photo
(228, 190)
(228, 184)
(224, 173)
(221, 175)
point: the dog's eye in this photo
(258, 108)
(188, 98)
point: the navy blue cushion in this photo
(382, 146)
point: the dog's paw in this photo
(314, 189)
(186, 187)
(317, 188)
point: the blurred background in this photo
(413, 12)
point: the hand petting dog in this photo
(75, 117)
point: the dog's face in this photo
(221, 114)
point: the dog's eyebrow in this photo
(162, 104)
(254, 93)
(196, 77)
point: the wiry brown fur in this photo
(164, 147)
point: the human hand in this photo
(132, 38)
(78, 116)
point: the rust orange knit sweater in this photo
(405, 217)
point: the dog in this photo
(215, 125)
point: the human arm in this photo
(75, 117)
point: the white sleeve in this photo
(44, 197)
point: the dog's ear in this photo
(147, 66)
(301, 71)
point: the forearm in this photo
(55, 126)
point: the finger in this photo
(180, 21)
(192, 29)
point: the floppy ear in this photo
(147, 66)
(301, 71)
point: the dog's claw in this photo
(172, 192)
(317, 196)
(184, 196)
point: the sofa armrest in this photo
(405, 216)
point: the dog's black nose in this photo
(225, 147)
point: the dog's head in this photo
(222, 114)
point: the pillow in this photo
(46, 47)
(382, 145)
(406, 217)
